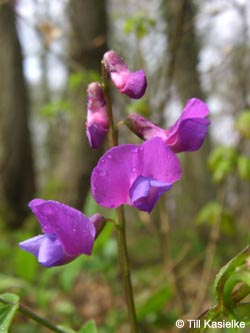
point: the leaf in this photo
(138, 24)
(139, 106)
(243, 124)
(238, 262)
(231, 282)
(154, 302)
(77, 79)
(222, 162)
(211, 213)
(242, 312)
(88, 327)
(8, 306)
(52, 109)
(31, 265)
(243, 166)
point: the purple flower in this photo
(187, 134)
(97, 124)
(136, 175)
(67, 233)
(132, 84)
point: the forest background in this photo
(49, 52)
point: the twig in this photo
(210, 255)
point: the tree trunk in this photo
(184, 52)
(87, 43)
(17, 184)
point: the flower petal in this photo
(132, 84)
(195, 108)
(120, 166)
(189, 136)
(96, 135)
(145, 192)
(159, 162)
(74, 230)
(113, 175)
(50, 252)
(189, 131)
(33, 244)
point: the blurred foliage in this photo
(50, 110)
(139, 24)
(229, 306)
(88, 327)
(243, 124)
(83, 77)
(243, 167)
(222, 162)
(213, 212)
(140, 106)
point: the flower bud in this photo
(144, 128)
(97, 124)
(132, 84)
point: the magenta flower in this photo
(136, 175)
(97, 124)
(67, 233)
(132, 84)
(187, 134)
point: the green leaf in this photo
(231, 282)
(138, 24)
(140, 107)
(8, 306)
(222, 162)
(243, 124)
(239, 262)
(84, 77)
(52, 109)
(31, 265)
(243, 166)
(213, 213)
(154, 302)
(88, 327)
(242, 312)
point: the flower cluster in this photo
(135, 175)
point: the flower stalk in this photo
(120, 218)
(40, 320)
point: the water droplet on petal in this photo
(103, 172)
(109, 156)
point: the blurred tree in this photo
(17, 183)
(183, 72)
(87, 43)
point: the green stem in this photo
(30, 314)
(124, 263)
(120, 222)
